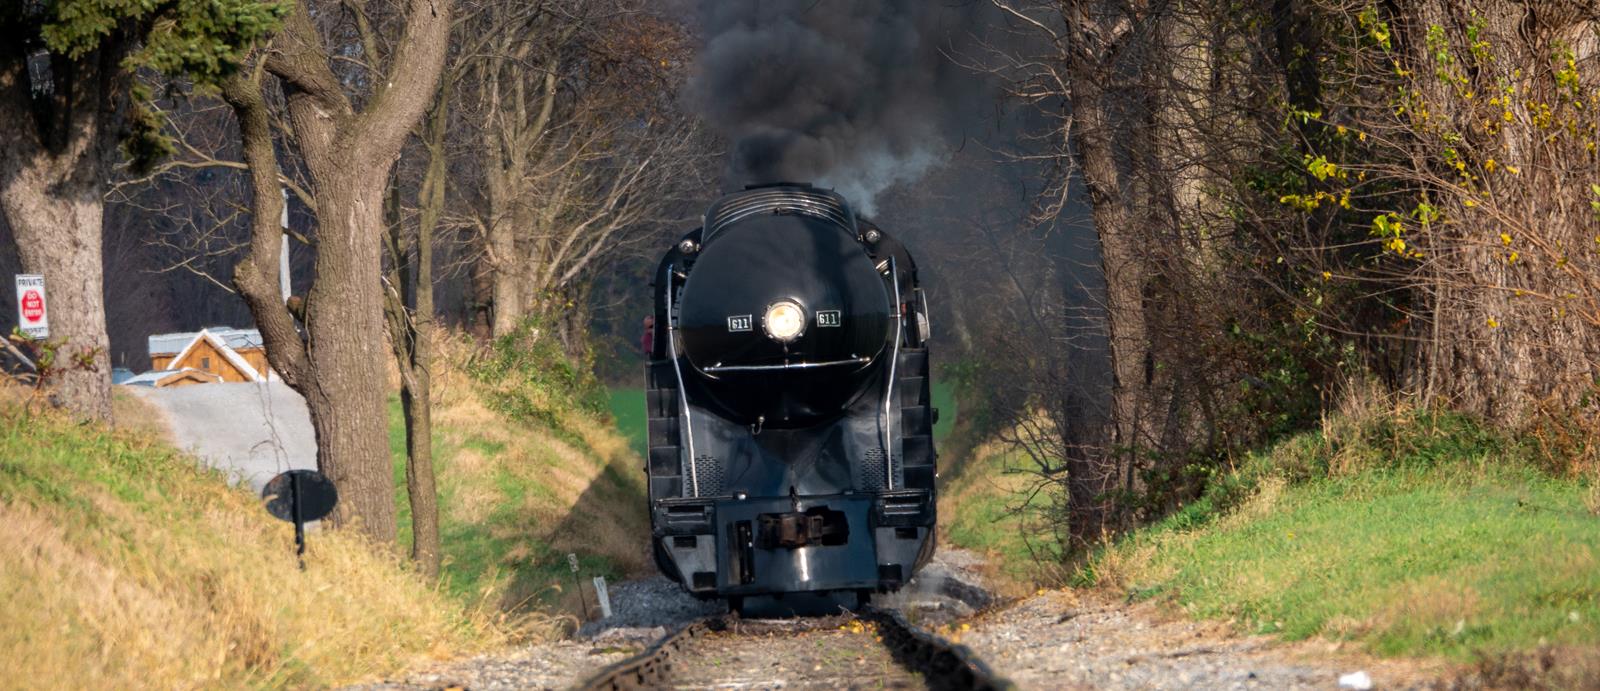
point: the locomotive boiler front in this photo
(791, 462)
(784, 317)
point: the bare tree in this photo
(347, 128)
(411, 332)
(580, 146)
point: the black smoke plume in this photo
(854, 95)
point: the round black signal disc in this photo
(312, 490)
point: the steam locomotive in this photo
(791, 459)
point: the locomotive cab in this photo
(790, 433)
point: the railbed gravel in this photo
(1085, 640)
(1053, 640)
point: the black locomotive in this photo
(791, 448)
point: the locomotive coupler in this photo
(818, 526)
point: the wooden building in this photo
(211, 355)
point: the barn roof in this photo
(155, 377)
(221, 346)
(174, 343)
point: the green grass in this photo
(1414, 535)
(627, 411)
(986, 507)
(510, 547)
(626, 404)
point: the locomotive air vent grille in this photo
(708, 470)
(815, 203)
(872, 470)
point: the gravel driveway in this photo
(249, 431)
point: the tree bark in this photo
(53, 174)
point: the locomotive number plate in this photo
(739, 323)
(827, 318)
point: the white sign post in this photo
(604, 597)
(33, 317)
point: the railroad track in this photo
(872, 649)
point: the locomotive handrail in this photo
(888, 394)
(785, 366)
(683, 396)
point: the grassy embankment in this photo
(128, 566)
(1410, 532)
(528, 471)
(987, 504)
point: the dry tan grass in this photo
(127, 567)
(136, 415)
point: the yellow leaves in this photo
(1302, 202)
(1322, 168)
(1311, 202)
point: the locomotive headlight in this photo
(784, 321)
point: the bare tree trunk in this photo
(480, 301)
(344, 334)
(1125, 273)
(411, 333)
(338, 366)
(507, 298)
(52, 184)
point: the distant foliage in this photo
(529, 377)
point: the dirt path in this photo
(249, 431)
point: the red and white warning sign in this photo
(33, 316)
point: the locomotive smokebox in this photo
(783, 315)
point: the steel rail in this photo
(652, 667)
(944, 666)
